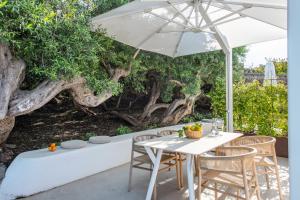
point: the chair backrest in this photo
(265, 145)
(167, 132)
(229, 159)
(141, 138)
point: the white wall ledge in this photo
(40, 170)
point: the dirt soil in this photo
(55, 123)
(60, 120)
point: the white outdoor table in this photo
(189, 147)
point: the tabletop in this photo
(190, 146)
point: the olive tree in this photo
(174, 85)
(47, 47)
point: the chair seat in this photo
(263, 161)
(146, 159)
(235, 180)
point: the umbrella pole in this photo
(229, 91)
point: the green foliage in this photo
(55, 41)
(88, 135)
(218, 99)
(122, 130)
(196, 117)
(102, 6)
(257, 108)
(152, 126)
(281, 67)
(181, 133)
(190, 71)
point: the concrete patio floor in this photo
(112, 185)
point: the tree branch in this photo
(24, 102)
(176, 82)
(12, 73)
(128, 118)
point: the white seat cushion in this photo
(99, 139)
(73, 144)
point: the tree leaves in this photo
(55, 41)
(257, 108)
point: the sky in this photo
(258, 52)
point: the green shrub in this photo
(90, 134)
(188, 119)
(218, 99)
(152, 126)
(257, 108)
(196, 117)
(122, 130)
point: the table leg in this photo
(190, 175)
(156, 162)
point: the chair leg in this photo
(246, 187)
(130, 172)
(181, 170)
(277, 177)
(256, 182)
(216, 192)
(130, 178)
(177, 173)
(267, 178)
(196, 167)
(199, 190)
(154, 196)
(238, 194)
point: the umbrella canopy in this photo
(182, 27)
(270, 74)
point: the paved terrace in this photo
(112, 185)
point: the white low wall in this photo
(36, 171)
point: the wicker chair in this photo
(142, 160)
(229, 171)
(266, 159)
(179, 156)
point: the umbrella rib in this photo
(181, 36)
(168, 20)
(252, 4)
(161, 27)
(224, 17)
(225, 21)
(100, 17)
(196, 4)
(206, 9)
(195, 30)
(220, 38)
(226, 7)
(180, 13)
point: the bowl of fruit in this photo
(193, 131)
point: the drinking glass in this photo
(220, 124)
(214, 130)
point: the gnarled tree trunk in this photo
(6, 126)
(174, 112)
(15, 102)
(178, 110)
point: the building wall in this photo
(294, 96)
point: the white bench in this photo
(40, 170)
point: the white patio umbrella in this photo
(270, 74)
(183, 27)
